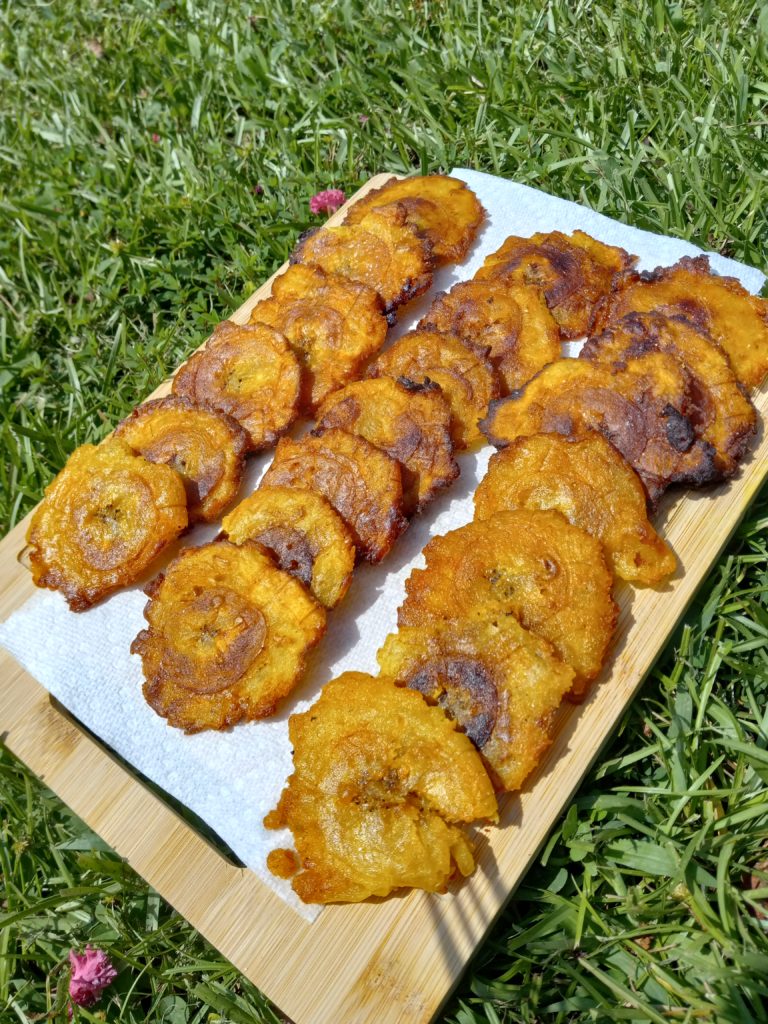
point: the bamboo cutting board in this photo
(389, 962)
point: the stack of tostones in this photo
(592, 486)
(726, 418)
(466, 378)
(381, 784)
(647, 411)
(207, 448)
(249, 373)
(228, 636)
(533, 565)
(333, 326)
(513, 325)
(501, 684)
(411, 422)
(721, 306)
(102, 521)
(362, 483)
(573, 272)
(443, 209)
(381, 250)
(302, 533)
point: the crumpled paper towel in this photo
(232, 779)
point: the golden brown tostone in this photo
(333, 326)
(227, 638)
(647, 411)
(574, 273)
(360, 482)
(207, 448)
(592, 486)
(103, 520)
(381, 785)
(442, 208)
(467, 380)
(304, 535)
(724, 415)
(248, 372)
(511, 324)
(411, 422)
(381, 250)
(500, 683)
(551, 576)
(721, 306)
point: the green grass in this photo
(156, 161)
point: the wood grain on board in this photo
(377, 962)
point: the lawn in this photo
(156, 162)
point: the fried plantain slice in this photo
(206, 447)
(646, 411)
(228, 636)
(304, 535)
(442, 208)
(513, 325)
(500, 683)
(735, 319)
(534, 565)
(726, 418)
(382, 250)
(592, 486)
(248, 372)
(102, 521)
(360, 482)
(411, 422)
(573, 272)
(466, 378)
(381, 784)
(333, 326)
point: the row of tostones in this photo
(511, 614)
(381, 450)
(247, 609)
(666, 398)
(180, 460)
(514, 612)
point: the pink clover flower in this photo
(328, 201)
(91, 973)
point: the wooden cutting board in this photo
(379, 962)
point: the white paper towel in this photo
(232, 779)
